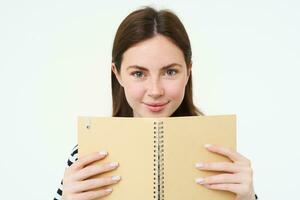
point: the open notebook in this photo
(157, 156)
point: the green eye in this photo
(171, 72)
(137, 74)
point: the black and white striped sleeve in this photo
(72, 158)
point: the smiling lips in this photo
(156, 107)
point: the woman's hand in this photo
(76, 182)
(237, 177)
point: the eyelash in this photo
(172, 70)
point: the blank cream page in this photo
(129, 142)
(184, 140)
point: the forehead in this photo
(155, 52)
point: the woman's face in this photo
(153, 74)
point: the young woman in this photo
(152, 77)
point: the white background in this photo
(55, 65)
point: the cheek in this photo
(134, 91)
(175, 90)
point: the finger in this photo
(235, 188)
(92, 194)
(92, 170)
(87, 159)
(220, 178)
(232, 154)
(219, 166)
(91, 184)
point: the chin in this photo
(156, 114)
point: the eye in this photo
(137, 74)
(171, 72)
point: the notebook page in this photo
(184, 140)
(129, 142)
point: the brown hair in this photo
(138, 26)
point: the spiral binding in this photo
(158, 166)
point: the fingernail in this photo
(108, 189)
(114, 164)
(103, 153)
(199, 165)
(115, 178)
(207, 145)
(199, 180)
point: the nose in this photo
(155, 89)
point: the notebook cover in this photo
(130, 141)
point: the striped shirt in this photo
(72, 158)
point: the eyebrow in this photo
(143, 68)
